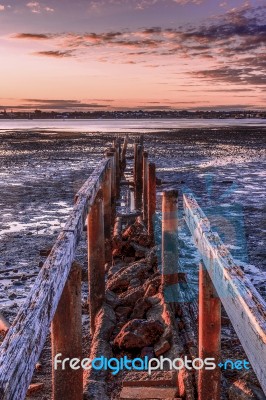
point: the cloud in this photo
(232, 45)
(49, 9)
(52, 104)
(32, 36)
(36, 8)
(184, 2)
(54, 53)
(232, 75)
(2, 7)
(33, 4)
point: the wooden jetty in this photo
(54, 302)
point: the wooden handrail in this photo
(25, 339)
(242, 302)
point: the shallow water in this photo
(127, 125)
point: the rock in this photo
(119, 266)
(129, 260)
(134, 230)
(40, 264)
(151, 290)
(12, 296)
(240, 390)
(95, 390)
(152, 257)
(134, 283)
(151, 286)
(34, 387)
(147, 352)
(155, 278)
(139, 254)
(123, 312)
(156, 312)
(139, 333)
(112, 299)
(121, 279)
(161, 347)
(155, 299)
(105, 323)
(140, 308)
(132, 296)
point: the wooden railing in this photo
(25, 339)
(55, 298)
(243, 304)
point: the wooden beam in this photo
(67, 339)
(151, 197)
(242, 302)
(123, 155)
(209, 381)
(169, 239)
(96, 259)
(145, 186)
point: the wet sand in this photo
(40, 173)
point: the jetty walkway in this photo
(139, 301)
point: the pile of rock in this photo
(135, 293)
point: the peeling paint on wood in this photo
(25, 339)
(242, 302)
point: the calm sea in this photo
(125, 125)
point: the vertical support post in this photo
(209, 381)
(135, 164)
(123, 155)
(145, 187)
(132, 199)
(107, 198)
(151, 198)
(138, 177)
(170, 242)
(117, 166)
(96, 258)
(111, 153)
(67, 339)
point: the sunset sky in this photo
(127, 54)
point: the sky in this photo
(132, 54)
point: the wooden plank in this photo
(209, 381)
(131, 392)
(96, 259)
(66, 337)
(242, 302)
(25, 339)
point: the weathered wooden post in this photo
(138, 176)
(96, 258)
(151, 197)
(135, 162)
(132, 199)
(111, 153)
(123, 155)
(107, 203)
(116, 147)
(107, 199)
(145, 186)
(67, 339)
(170, 241)
(209, 381)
